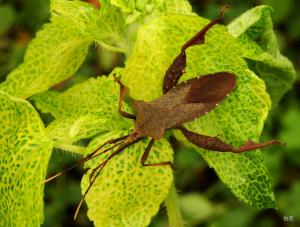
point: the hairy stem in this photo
(173, 209)
(70, 148)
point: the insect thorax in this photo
(150, 120)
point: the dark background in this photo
(204, 198)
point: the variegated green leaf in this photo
(256, 38)
(24, 154)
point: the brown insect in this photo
(179, 104)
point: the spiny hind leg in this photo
(216, 144)
(177, 68)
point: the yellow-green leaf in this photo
(54, 54)
(257, 40)
(84, 110)
(24, 154)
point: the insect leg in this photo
(146, 154)
(102, 152)
(199, 38)
(177, 68)
(216, 144)
(123, 91)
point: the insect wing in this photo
(198, 96)
(211, 88)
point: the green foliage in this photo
(254, 30)
(291, 200)
(55, 54)
(291, 121)
(150, 34)
(148, 7)
(87, 109)
(25, 151)
(197, 208)
(290, 133)
(7, 17)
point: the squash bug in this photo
(179, 104)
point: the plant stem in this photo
(70, 148)
(173, 209)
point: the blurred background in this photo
(204, 199)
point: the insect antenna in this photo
(100, 167)
(106, 150)
(88, 157)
